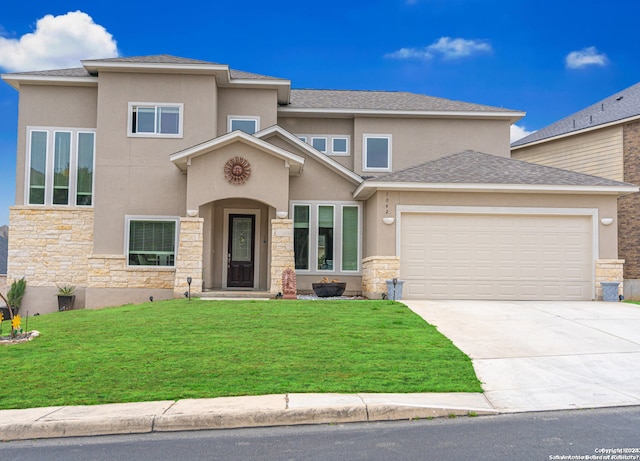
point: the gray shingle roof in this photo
(472, 167)
(74, 72)
(380, 100)
(155, 59)
(619, 106)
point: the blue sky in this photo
(548, 59)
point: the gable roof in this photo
(388, 103)
(182, 159)
(310, 150)
(618, 107)
(475, 171)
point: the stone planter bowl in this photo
(326, 290)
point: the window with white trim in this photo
(376, 152)
(319, 143)
(327, 237)
(249, 125)
(155, 119)
(328, 144)
(151, 241)
(60, 165)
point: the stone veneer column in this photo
(376, 270)
(50, 246)
(189, 257)
(282, 256)
(609, 270)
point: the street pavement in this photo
(529, 356)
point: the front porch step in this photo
(228, 294)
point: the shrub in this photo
(15, 293)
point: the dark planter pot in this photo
(65, 303)
(326, 290)
(5, 312)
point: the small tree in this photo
(16, 293)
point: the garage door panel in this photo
(496, 256)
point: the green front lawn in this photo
(179, 349)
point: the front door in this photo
(241, 251)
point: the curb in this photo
(233, 412)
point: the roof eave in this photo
(512, 116)
(368, 188)
(340, 169)
(221, 72)
(15, 80)
(183, 158)
(576, 132)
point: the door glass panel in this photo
(241, 239)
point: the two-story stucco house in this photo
(134, 174)
(602, 139)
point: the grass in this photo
(200, 349)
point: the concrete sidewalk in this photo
(233, 412)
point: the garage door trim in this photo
(592, 213)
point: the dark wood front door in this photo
(241, 251)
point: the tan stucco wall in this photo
(416, 141)
(134, 175)
(597, 152)
(381, 239)
(317, 182)
(248, 103)
(55, 106)
(268, 183)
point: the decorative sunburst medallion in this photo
(237, 170)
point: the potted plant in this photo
(66, 297)
(326, 288)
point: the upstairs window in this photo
(336, 145)
(249, 125)
(377, 152)
(60, 167)
(151, 120)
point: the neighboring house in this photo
(603, 140)
(4, 243)
(138, 173)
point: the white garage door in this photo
(485, 256)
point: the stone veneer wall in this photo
(629, 205)
(111, 271)
(50, 246)
(282, 256)
(189, 257)
(376, 270)
(3, 284)
(609, 270)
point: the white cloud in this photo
(447, 47)
(586, 57)
(58, 42)
(519, 132)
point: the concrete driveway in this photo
(545, 355)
